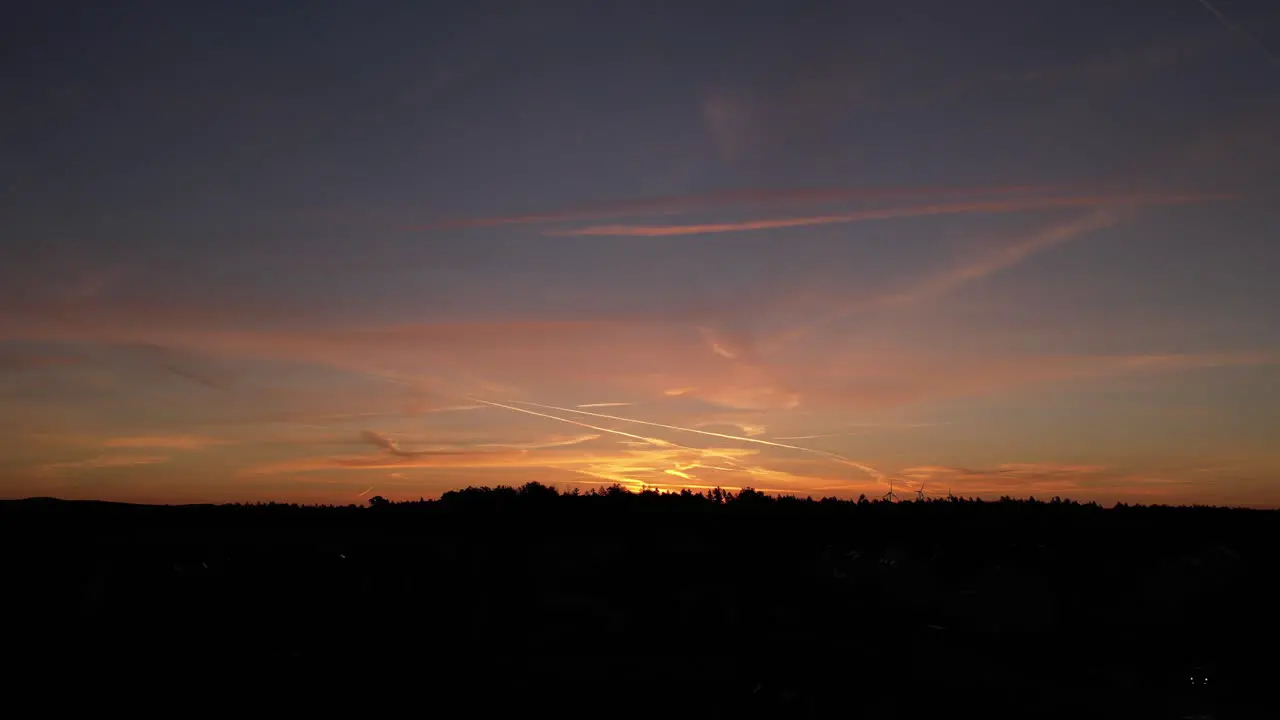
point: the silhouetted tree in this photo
(536, 491)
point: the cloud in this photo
(624, 462)
(937, 285)
(1252, 39)
(746, 427)
(642, 464)
(887, 380)
(21, 362)
(603, 404)
(158, 442)
(386, 443)
(454, 408)
(732, 120)
(193, 376)
(652, 441)
(1040, 479)
(838, 458)
(821, 435)
(104, 461)
(1098, 74)
(733, 385)
(1000, 206)
(730, 346)
(551, 442)
(735, 198)
(89, 284)
(1022, 478)
(169, 442)
(377, 439)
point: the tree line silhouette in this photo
(717, 603)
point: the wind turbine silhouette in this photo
(890, 496)
(920, 493)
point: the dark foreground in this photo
(494, 602)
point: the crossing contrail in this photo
(657, 442)
(651, 441)
(831, 456)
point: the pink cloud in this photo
(734, 198)
(962, 208)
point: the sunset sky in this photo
(315, 252)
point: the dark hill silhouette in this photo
(707, 605)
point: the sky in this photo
(316, 251)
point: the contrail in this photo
(965, 208)
(832, 456)
(956, 277)
(366, 491)
(823, 435)
(657, 442)
(1230, 25)
(733, 198)
(651, 441)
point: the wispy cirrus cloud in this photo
(103, 461)
(392, 446)
(132, 442)
(859, 430)
(168, 442)
(23, 361)
(750, 197)
(818, 436)
(1039, 479)
(621, 465)
(833, 456)
(939, 284)
(639, 467)
(750, 429)
(960, 208)
(893, 381)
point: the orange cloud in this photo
(1038, 479)
(839, 458)
(644, 464)
(105, 461)
(749, 429)
(818, 436)
(392, 446)
(1002, 206)
(632, 467)
(169, 442)
(657, 442)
